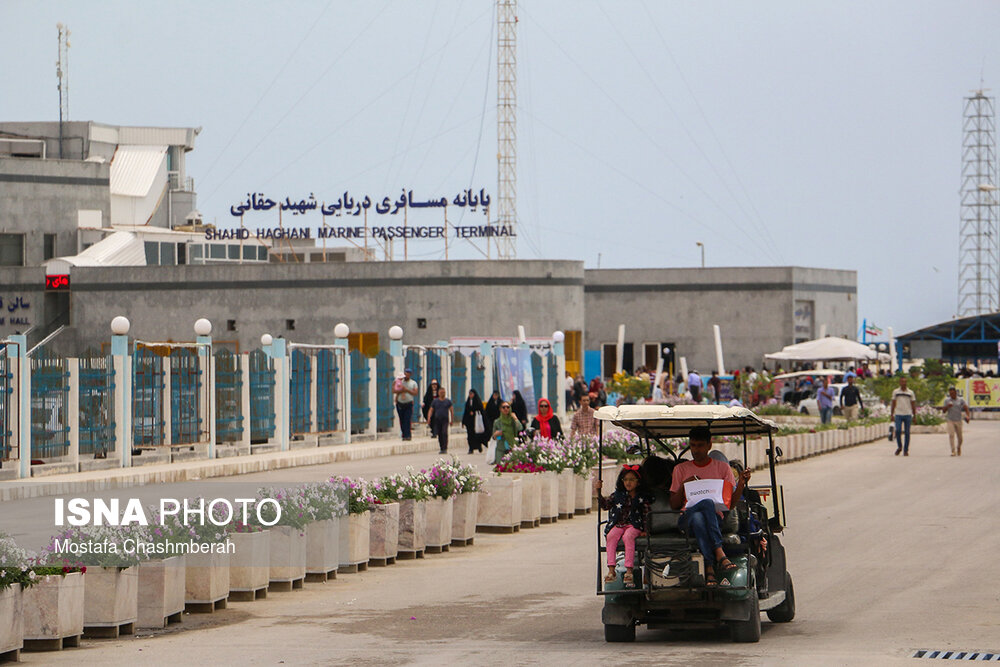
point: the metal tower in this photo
(978, 256)
(62, 75)
(507, 126)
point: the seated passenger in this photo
(702, 520)
(627, 508)
(655, 472)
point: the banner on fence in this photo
(980, 392)
(514, 372)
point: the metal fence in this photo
(458, 389)
(148, 425)
(185, 389)
(261, 397)
(97, 412)
(384, 379)
(360, 382)
(49, 405)
(537, 361)
(6, 417)
(300, 392)
(557, 385)
(479, 375)
(327, 395)
(228, 396)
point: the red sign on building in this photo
(57, 283)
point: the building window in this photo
(290, 325)
(262, 253)
(48, 246)
(234, 252)
(152, 253)
(168, 253)
(11, 249)
(230, 325)
(249, 252)
(218, 251)
(197, 253)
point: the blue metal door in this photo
(6, 378)
(300, 393)
(536, 378)
(185, 389)
(261, 397)
(327, 379)
(228, 396)
(557, 385)
(97, 412)
(147, 398)
(360, 379)
(458, 390)
(383, 388)
(49, 401)
(479, 375)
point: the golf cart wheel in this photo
(785, 611)
(747, 631)
(619, 633)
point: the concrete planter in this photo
(412, 526)
(288, 554)
(323, 547)
(206, 578)
(11, 620)
(111, 599)
(584, 496)
(463, 518)
(439, 517)
(53, 610)
(567, 494)
(249, 567)
(499, 505)
(549, 485)
(937, 428)
(383, 533)
(531, 497)
(354, 535)
(161, 592)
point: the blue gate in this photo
(536, 378)
(479, 375)
(185, 388)
(383, 388)
(458, 390)
(327, 381)
(300, 393)
(6, 377)
(49, 401)
(147, 398)
(97, 411)
(360, 379)
(228, 396)
(434, 366)
(261, 397)
(413, 360)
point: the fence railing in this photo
(167, 397)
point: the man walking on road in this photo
(824, 400)
(850, 399)
(694, 386)
(901, 411)
(953, 408)
(404, 390)
(584, 422)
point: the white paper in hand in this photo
(705, 489)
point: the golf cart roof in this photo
(662, 421)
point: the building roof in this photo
(134, 169)
(118, 249)
(976, 329)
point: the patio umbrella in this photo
(824, 349)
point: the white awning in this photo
(118, 249)
(824, 349)
(134, 169)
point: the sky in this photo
(818, 134)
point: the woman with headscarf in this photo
(505, 430)
(429, 396)
(493, 408)
(473, 407)
(519, 407)
(546, 423)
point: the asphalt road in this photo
(889, 555)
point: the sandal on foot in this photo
(628, 579)
(710, 581)
(725, 566)
(610, 576)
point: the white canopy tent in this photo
(824, 349)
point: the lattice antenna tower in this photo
(978, 251)
(507, 126)
(62, 77)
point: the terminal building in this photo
(98, 221)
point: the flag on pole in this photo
(872, 330)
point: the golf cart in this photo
(670, 590)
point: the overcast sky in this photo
(776, 133)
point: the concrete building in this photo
(99, 220)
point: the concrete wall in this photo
(753, 307)
(40, 197)
(22, 302)
(464, 298)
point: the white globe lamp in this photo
(343, 331)
(396, 332)
(558, 337)
(203, 327)
(120, 326)
(266, 339)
